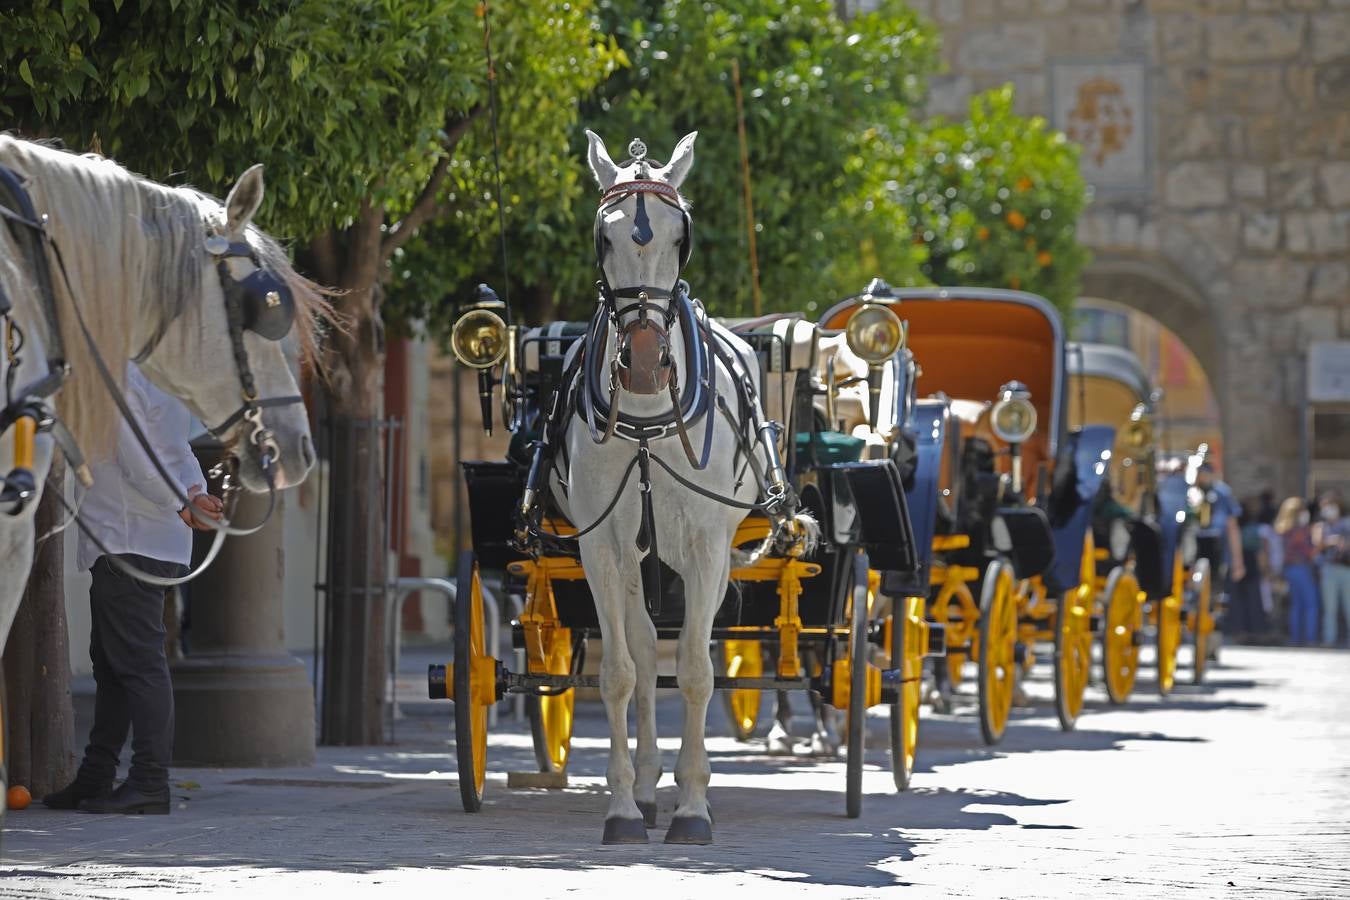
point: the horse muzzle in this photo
(644, 358)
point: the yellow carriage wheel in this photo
(474, 683)
(1073, 653)
(742, 659)
(1169, 630)
(1202, 623)
(906, 642)
(1120, 637)
(551, 714)
(997, 651)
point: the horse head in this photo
(643, 238)
(230, 360)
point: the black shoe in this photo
(75, 793)
(130, 800)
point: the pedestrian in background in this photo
(1273, 549)
(1294, 527)
(1331, 535)
(138, 519)
(1246, 614)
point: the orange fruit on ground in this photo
(18, 797)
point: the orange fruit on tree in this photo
(1043, 258)
(18, 797)
(1017, 220)
(982, 233)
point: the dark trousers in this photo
(132, 675)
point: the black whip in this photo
(496, 155)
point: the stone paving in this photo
(1238, 788)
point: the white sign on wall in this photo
(1102, 107)
(1329, 372)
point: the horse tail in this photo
(799, 538)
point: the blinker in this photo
(268, 305)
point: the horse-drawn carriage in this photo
(558, 519)
(1148, 569)
(1013, 517)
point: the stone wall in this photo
(1217, 136)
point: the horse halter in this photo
(643, 364)
(263, 304)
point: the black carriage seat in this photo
(543, 357)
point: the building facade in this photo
(1216, 135)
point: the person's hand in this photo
(205, 505)
(1239, 571)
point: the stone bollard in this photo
(240, 699)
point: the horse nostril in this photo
(307, 451)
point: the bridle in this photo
(263, 304)
(643, 364)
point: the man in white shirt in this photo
(140, 521)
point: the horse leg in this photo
(642, 646)
(692, 823)
(623, 821)
(780, 733)
(824, 738)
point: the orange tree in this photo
(992, 200)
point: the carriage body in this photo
(1147, 568)
(1014, 524)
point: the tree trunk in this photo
(538, 307)
(41, 737)
(352, 693)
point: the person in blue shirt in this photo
(1219, 524)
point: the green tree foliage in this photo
(813, 86)
(993, 200)
(357, 109)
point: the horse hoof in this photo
(779, 741)
(823, 747)
(689, 830)
(619, 830)
(648, 811)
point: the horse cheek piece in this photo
(263, 304)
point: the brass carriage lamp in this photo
(875, 333)
(1014, 421)
(480, 339)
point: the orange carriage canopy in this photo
(969, 342)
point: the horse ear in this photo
(244, 199)
(680, 161)
(601, 165)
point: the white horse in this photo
(136, 254)
(642, 239)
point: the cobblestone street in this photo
(1237, 788)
